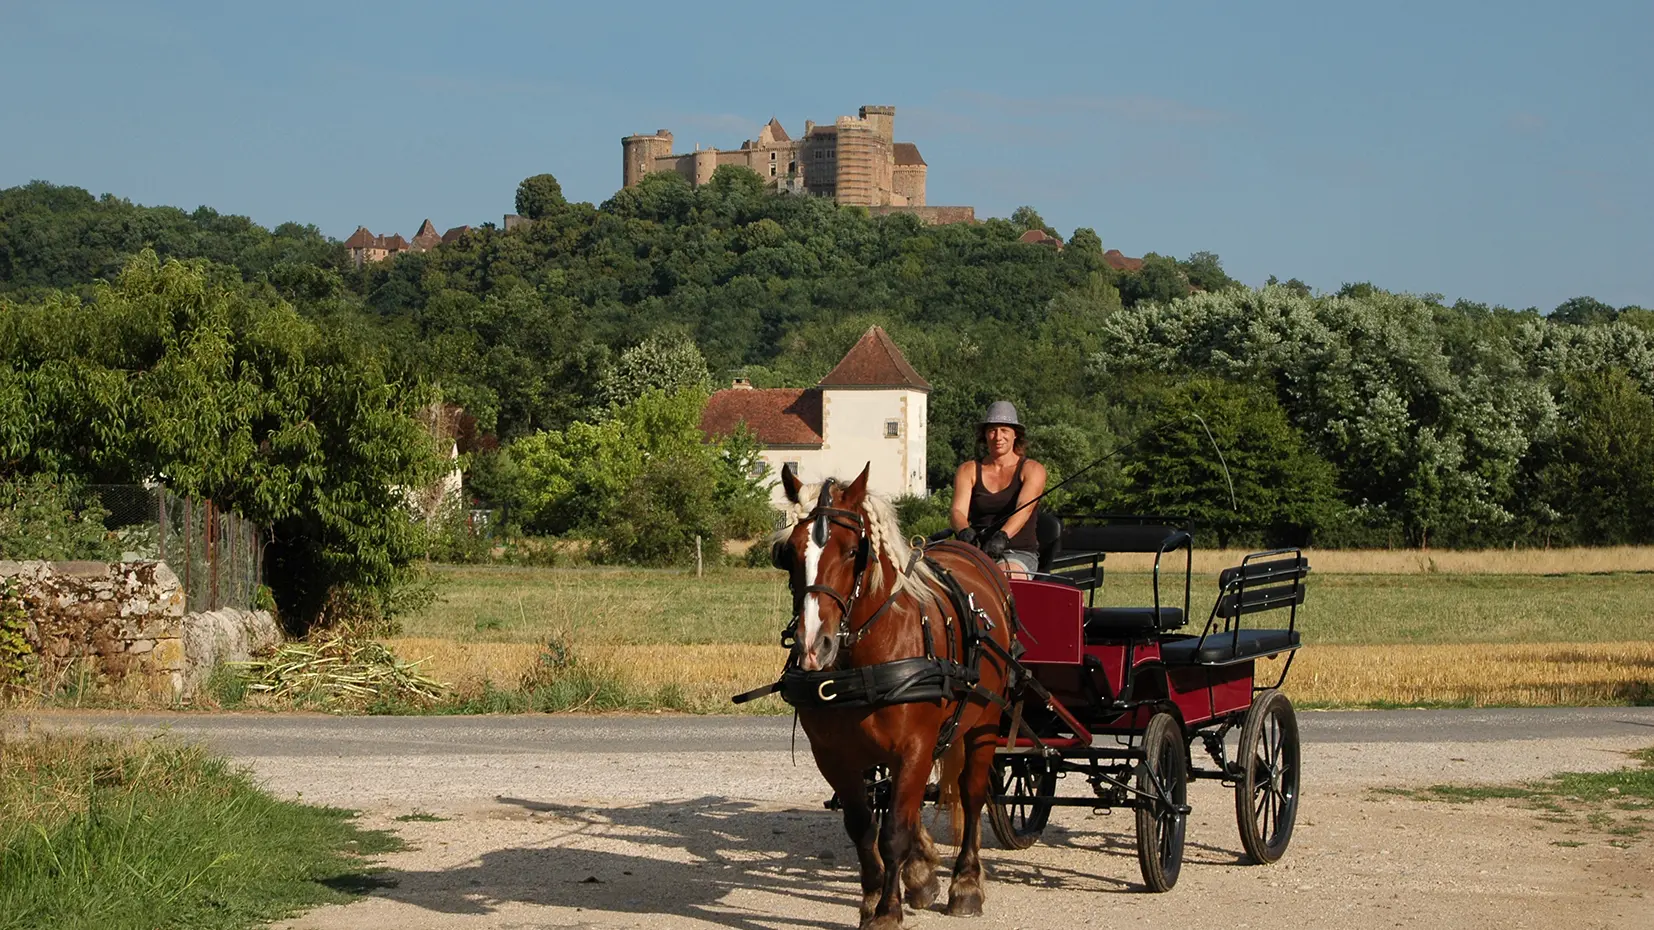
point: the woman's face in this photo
(1000, 439)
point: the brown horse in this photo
(862, 600)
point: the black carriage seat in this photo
(1254, 586)
(1228, 648)
(1105, 624)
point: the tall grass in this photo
(102, 833)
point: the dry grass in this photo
(1468, 675)
(1484, 674)
(1576, 561)
(706, 674)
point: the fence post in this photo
(697, 555)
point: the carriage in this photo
(1122, 695)
(1012, 683)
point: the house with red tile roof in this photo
(870, 410)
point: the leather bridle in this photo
(822, 518)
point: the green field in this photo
(749, 606)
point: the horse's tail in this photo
(947, 788)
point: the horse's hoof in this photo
(964, 903)
(869, 904)
(887, 922)
(923, 896)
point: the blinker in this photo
(818, 531)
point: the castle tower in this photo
(638, 154)
(863, 164)
(883, 121)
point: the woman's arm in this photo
(1033, 485)
(964, 481)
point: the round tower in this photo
(639, 152)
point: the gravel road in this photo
(667, 821)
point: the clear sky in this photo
(1499, 151)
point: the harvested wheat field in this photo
(1472, 675)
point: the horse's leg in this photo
(919, 871)
(863, 828)
(965, 894)
(900, 834)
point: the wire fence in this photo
(218, 555)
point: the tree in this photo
(1160, 280)
(539, 197)
(1261, 481)
(1583, 311)
(1026, 218)
(670, 364)
(1204, 270)
(1602, 482)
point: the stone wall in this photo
(126, 622)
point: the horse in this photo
(875, 623)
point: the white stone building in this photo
(870, 409)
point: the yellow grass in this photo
(1573, 561)
(1480, 674)
(1472, 675)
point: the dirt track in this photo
(736, 838)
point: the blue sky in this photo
(1496, 151)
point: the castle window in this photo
(772, 171)
(892, 429)
(772, 156)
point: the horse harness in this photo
(900, 681)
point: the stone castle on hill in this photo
(855, 160)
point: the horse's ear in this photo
(857, 491)
(790, 482)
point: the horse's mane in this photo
(884, 530)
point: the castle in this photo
(856, 161)
(365, 247)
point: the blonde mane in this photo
(883, 529)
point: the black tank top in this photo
(989, 508)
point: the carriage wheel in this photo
(1162, 812)
(1024, 778)
(1266, 793)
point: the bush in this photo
(44, 518)
(661, 513)
(15, 651)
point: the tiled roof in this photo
(906, 153)
(778, 134)
(360, 239)
(454, 233)
(776, 416)
(1120, 262)
(426, 237)
(874, 361)
(1040, 236)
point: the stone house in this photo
(871, 409)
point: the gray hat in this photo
(1001, 413)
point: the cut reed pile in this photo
(340, 672)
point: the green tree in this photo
(1261, 482)
(539, 197)
(1602, 482)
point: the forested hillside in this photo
(1362, 417)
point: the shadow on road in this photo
(716, 859)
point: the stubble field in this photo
(1381, 629)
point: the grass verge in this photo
(1611, 804)
(113, 834)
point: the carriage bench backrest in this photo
(1266, 584)
(1083, 549)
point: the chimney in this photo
(741, 384)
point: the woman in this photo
(991, 497)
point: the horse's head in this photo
(827, 555)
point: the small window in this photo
(772, 156)
(772, 171)
(759, 469)
(892, 429)
(791, 465)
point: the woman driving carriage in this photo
(988, 493)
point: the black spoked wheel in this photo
(1162, 812)
(1266, 793)
(1023, 779)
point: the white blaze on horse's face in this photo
(812, 605)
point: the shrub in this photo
(42, 517)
